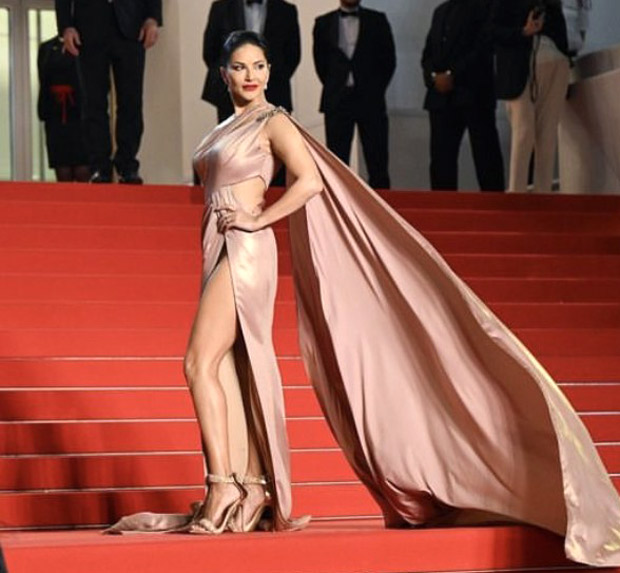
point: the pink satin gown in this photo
(442, 412)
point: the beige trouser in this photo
(534, 125)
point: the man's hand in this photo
(444, 82)
(149, 33)
(534, 24)
(71, 41)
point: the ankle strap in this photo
(214, 478)
(258, 480)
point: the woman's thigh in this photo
(215, 325)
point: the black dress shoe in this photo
(130, 178)
(100, 177)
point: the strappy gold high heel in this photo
(242, 523)
(205, 525)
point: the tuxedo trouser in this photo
(125, 59)
(534, 118)
(448, 127)
(373, 130)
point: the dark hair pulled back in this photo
(240, 38)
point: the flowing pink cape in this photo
(443, 413)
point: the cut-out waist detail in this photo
(225, 198)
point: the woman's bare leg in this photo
(213, 334)
(256, 493)
(255, 466)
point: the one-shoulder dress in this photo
(442, 412)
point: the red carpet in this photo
(97, 293)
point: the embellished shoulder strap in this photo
(271, 112)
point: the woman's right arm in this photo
(288, 144)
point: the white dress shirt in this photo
(349, 32)
(255, 15)
(576, 16)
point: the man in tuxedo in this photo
(458, 72)
(355, 59)
(111, 35)
(277, 21)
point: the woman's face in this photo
(246, 74)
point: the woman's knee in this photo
(200, 369)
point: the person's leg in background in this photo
(339, 128)
(128, 68)
(70, 173)
(447, 130)
(522, 127)
(485, 146)
(64, 173)
(553, 77)
(374, 136)
(80, 173)
(95, 67)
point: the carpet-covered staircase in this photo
(98, 286)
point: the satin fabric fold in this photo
(442, 412)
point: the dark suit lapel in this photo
(334, 28)
(271, 21)
(363, 23)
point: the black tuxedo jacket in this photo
(88, 15)
(283, 38)
(459, 41)
(514, 50)
(373, 62)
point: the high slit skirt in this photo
(249, 373)
(253, 263)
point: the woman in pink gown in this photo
(442, 412)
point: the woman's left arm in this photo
(288, 144)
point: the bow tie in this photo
(250, 2)
(345, 14)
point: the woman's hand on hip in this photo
(229, 218)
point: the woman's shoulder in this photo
(278, 121)
(270, 111)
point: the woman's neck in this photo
(242, 109)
